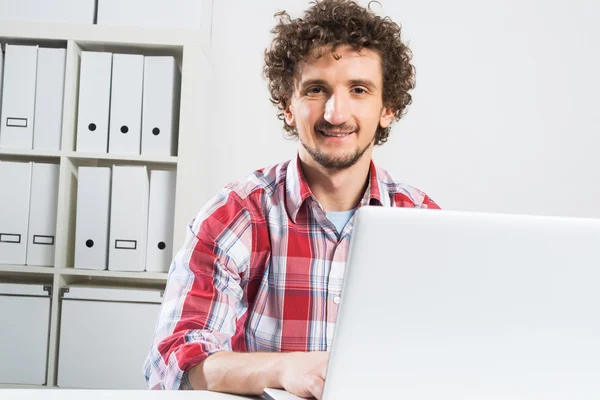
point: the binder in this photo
(98, 326)
(94, 102)
(128, 218)
(49, 98)
(18, 97)
(15, 181)
(24, 330)
(126, 104)
(42, 214)
(160, 115)
(161, 213)
(92, 217)
(1, 77)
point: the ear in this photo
(387, 116)
(289, 114)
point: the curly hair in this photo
(336, 23)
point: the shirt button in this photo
(337, 299)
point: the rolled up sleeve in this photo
(201, 304)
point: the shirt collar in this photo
(297, 189)
(373, 193)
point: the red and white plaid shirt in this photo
(261, 270)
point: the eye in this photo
(359, 90)
(315, 90)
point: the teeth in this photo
(334, 134)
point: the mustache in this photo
(326, 126)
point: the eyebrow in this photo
(363, 82)
(353, 82)
(312, 82)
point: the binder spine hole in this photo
(92, 127)
(124, 129)
(89, 243)
(161, 245)
(155, 131)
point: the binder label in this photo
(42, 239)
(16, 122)
(10, 238)
(126, 244)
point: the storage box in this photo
(24, 330)
(105, 336)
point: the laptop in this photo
(461, 305)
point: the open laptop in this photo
(457, 305)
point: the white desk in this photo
(72, 394)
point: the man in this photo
(252, 297)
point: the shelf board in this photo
(19, 386)
(26, 269)
(30, 153)
(119, 35)
(154, 276)
(41, 154)
(166, 160)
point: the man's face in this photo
(337, 106)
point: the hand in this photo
(303, 374)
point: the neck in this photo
(337, 190)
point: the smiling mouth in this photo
(334, 134)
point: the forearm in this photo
(239, 373)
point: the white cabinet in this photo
(105, 336)
(24, 327)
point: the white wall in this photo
(247, 133)
(504, 113)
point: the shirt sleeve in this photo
(430, 204)
(204, 294)
(414, 198)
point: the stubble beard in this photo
(336, 163)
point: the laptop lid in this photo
(456, 305)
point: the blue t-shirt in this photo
(340, 219)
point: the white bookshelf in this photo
(192, 52)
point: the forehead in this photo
(350, 65)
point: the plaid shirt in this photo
(261, 270)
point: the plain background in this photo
(504, 116)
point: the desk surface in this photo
(72, 394)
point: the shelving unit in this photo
(192, 52)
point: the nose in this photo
(337, 109)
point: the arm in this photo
(203, 301)
(302, 374)
(241, 373)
